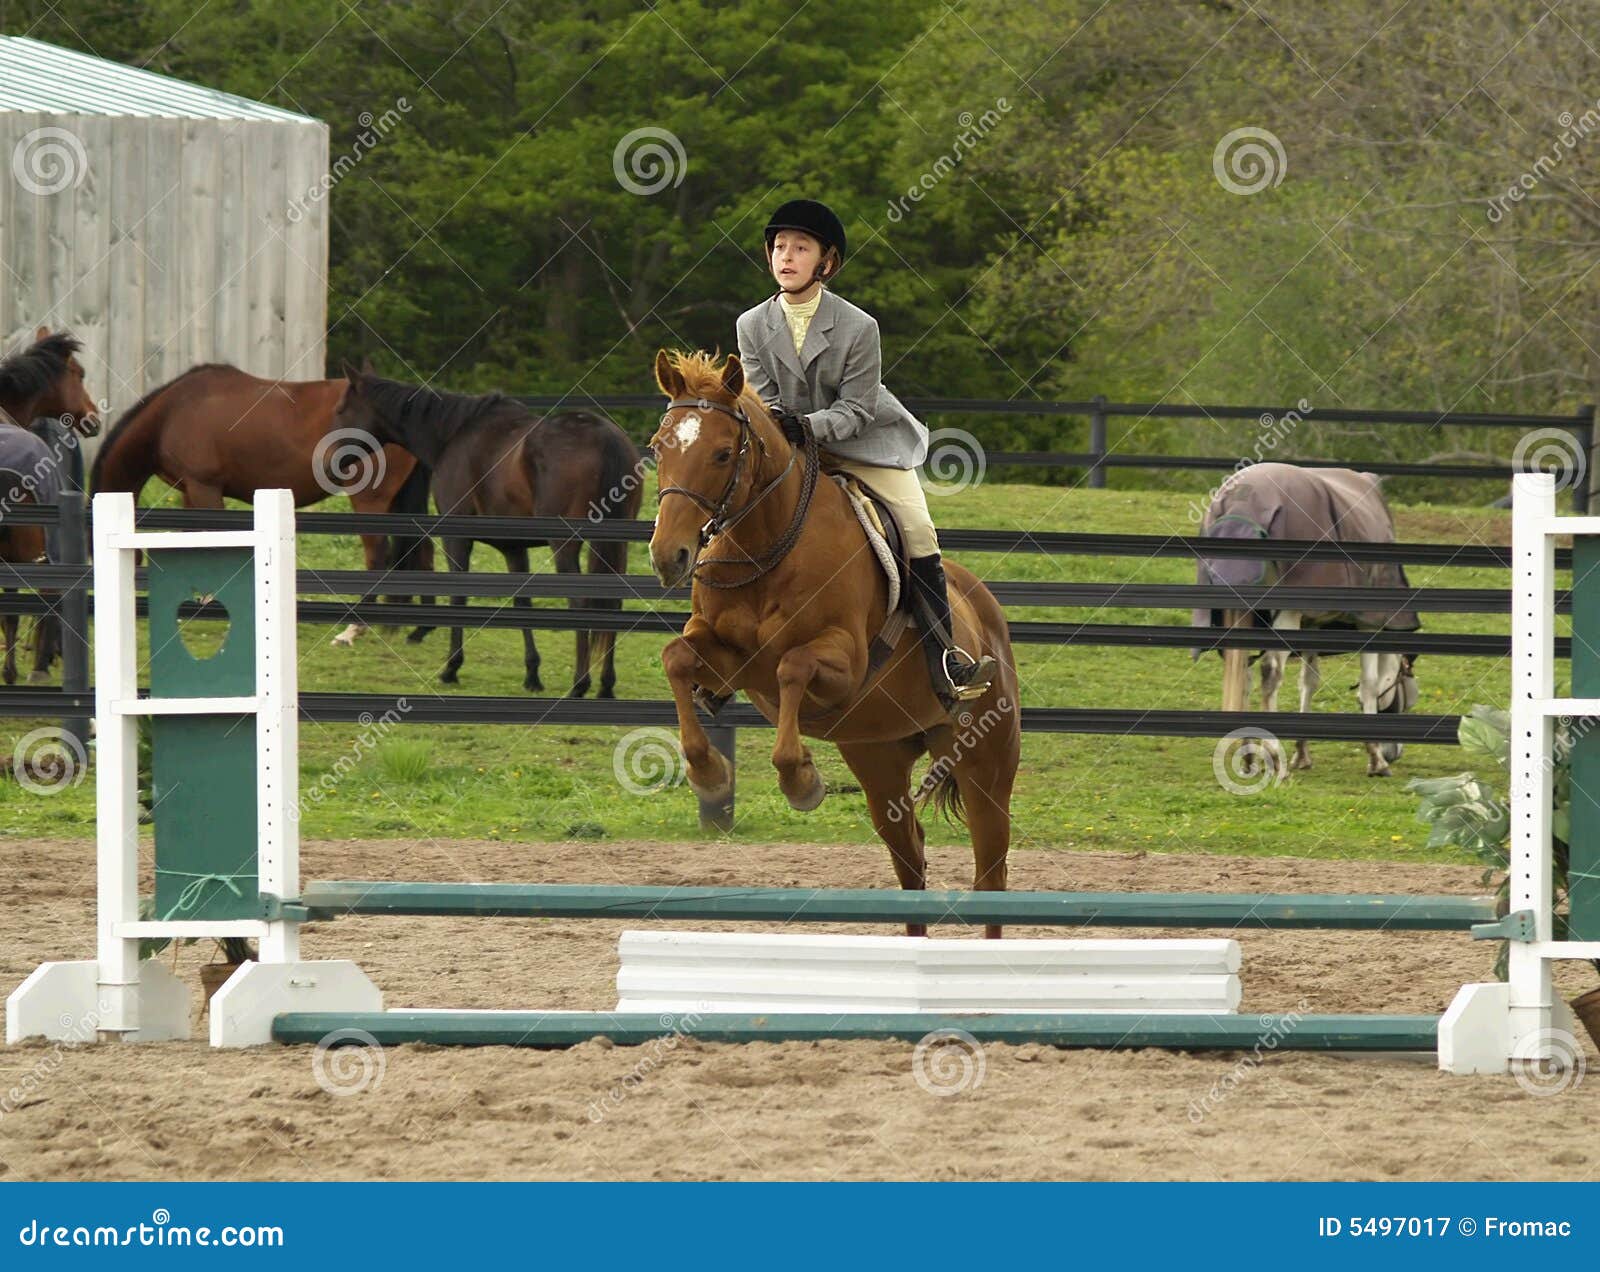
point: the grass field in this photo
(1159, 794)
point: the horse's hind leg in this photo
(517, 563)
(606, 559)
(8, 626)
(458, 552)
(569, 560)
(1310, 682)
(46, 647)
(984, 778)
(884, 771)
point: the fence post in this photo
(1097, 442)
(74, 610)
(1584, 483)
(719, 816)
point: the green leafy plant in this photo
(405, 761)
(1474, 814)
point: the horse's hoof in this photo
(606, 691)
(580, 688)
(808, 800)
(416, 635)
(1383, 772)
(38, 677)
(449, 677)
(533, 684)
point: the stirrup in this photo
(982, 676)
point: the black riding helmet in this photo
(813, 218)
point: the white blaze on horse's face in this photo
(688, 431)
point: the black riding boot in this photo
(956, 674)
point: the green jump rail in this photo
(1183, 1032)
(881, 905)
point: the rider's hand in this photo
(793, 426)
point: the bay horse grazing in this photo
(44, 382)
(1340, 505)
(216, 432)
(786, 602)
(491, 456)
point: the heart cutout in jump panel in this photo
(202, 623)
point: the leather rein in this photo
(722, 518)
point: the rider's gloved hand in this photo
(793, 426)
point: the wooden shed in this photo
(162, 222)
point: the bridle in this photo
(721, 517)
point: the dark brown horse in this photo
(491, 456)
(217, 433)
(42, 382)
(787, 600)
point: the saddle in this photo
(888, 545)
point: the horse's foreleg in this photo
(696, 657)
(1367, 691)
(820, 669)
(8, 626)
(458, 552)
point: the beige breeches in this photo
(900, 489)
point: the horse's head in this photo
(361, 408)
(66, 395)
(708, 450)
(1397, 683)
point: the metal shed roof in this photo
(35, 76)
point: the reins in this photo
(720, 520)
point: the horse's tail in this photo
(1235, 665)
(125, 460)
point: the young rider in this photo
(809, 353)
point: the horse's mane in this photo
(702, 373)
(443, 412)
(132, 413)
(33, 370)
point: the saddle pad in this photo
(867, 515)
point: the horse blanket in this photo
(1281, 501)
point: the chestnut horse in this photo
(786, 601)
(45, 381)
(216, 432)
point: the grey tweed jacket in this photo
(835, 381)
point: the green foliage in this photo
(405, 761)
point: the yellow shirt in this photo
(799, 318)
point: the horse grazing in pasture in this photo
(787, 599)
(43, 383)
(490, 456)
(1339, 505)
(216, 432)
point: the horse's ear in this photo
(344, 395)
(367, 368)
(41, 334)
(350, 373)
(733, 376)
(668, 378)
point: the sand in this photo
(682, 1110)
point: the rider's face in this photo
(795, 255)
